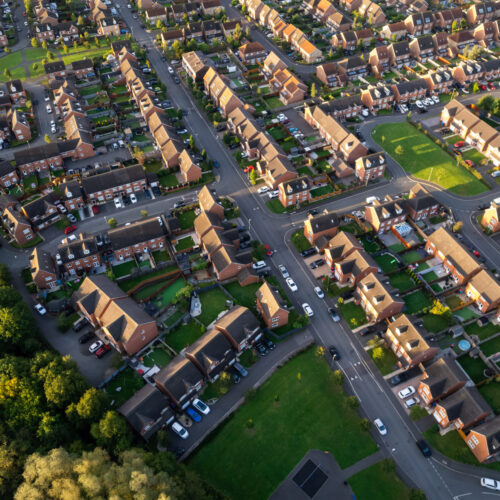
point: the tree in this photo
(7, 73)
(486, 103)
(457, 227)
(16, 324)
(159, 24)
(313, 90)
(8, 296)
(47, 138)
(378, 353)
(65, 49)
(45, 45)
(5, 276)
(399, 150)
(237, 33)
(10, 470)
(455, 26)
(34, 42)
(366, 424)
(144, 213)
(338, 377)
(352, 401)
(253, 177)
(112, 222)
(191, 142)
(475, 88)
(299, 376)
(112, 431)
(320, 351)
(183, 294)
(80, 21)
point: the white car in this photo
(170, 70)
(49, 109)
(118, 203)
(419, 104)
(319, 292)
(179, 430)
(47, 99)
(68, 239)
(371, 199)
(492, 484)
(96, 346)
(406, 392)
(40, 309)
(273, 194)
(263, 189)
(307, 309)
(26, 23)
(62, 209)
(365, 112)
(380, 426)
(259, 265)
(283, 271)
(291, 284)
(435, 98)
(411, 402)
(201, 406)
(129, 6)
(133, 198)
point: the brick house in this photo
(137, 238)
(445, 18)
(379, 301)
(491, 69)
(409, 91)
(325, 224)
(56, 69)
(240, 327)
(347, 40)
(370, 167)
(484, 290)
(458, 41)
(399, 54)
(209, 204)
(340, 247)
(108, 26)
(484, 440)
(43, 270)
(171, 36)
(103, 187)
(206, 222)
(156, 13)
(439, 81)
(288, 86)
(420, 204)
(272, 63)
(440, 379)
(377, 97)
(309, 52)
(408, 343)
(8, 174)
(455, 258)
(420, 24)
(394, 31)
(353, 67)
(194, 64)
(17, 225)
(16, 91)
(271, 306)
(481, 12)
(485, 34)
(386, 214)
(328, 74)
(280, 170)
(44, 32)
(42, 212)
(228, 263)
(440, 41)
(338, 22)
(119, 319)
(189, 170)
(252, 52)
(78, 256)
(83, 69)
(353, 268)
(467, 72)
(38, 159)
(294, 191)
(72, 195)
(380, 60)
(491, 217)
(422, 48)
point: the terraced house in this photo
(78, 256)
(483, 289)
(324, 226)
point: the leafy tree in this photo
(52, 431)
(34, 42)
(352, 401)
(16, 324)
(338, 377)
(65, 49)
(237, 33)
(399, 150)
(112, 432)
(80, 21)
(92, 404)
(159, 24)
(7, 73)
(5, 276)
(320, 351)
(313, 90)
(457, 227)
(191, 142)
(486, 103)
(144, 213)
(366, 424)
(8, 296)
(475, 88)
(45, 46)
(112, 222)
(10, 470)
(253, 176)
(378, 353)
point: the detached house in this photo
(324, 226)
(8, 174)
(271, 306)
(386, 214)
(42, 212)
(491, 217)
(352, 268)
(43, 270)
(340, 247)
(194, 64)
(394, 31)
(484, 290)
(17, 225)
(484, 440)
(420, 204)
(295, 191)
(20, 126)
(370, 167)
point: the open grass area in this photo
(169, 180)
(184, 335)
(10, 60)
(275, 206)
(186, 219)
(491, 347)
(483, 332)
(299, 241)
(491, 393)
(402, 281)
(184, 244)
(245, 295)
(353, 315)
(157, 356)
(434, 323)
(123, 387)
(299, 413)
(473, 155)
(124, 269)
(416, 301)
(352, 227)
(387, 262)
(213, 302)
(473, 367)
(387, 362)
(378, 482)
(424, 159)
(411, 257)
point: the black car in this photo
(316, 263)
(126, 199)
(308, 251)
(156, 190)
(79, 324)
(483, 206)
(397, 379)
(333, 313)
(235, 377)
(313, 211)
(85, 337)
(268, 343)
(261, 349)
(334, 353)
(424, 448)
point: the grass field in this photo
(184, 335)
(378, 482)
(299, 413)
(483, 332)
(491, 347)
(402, 281)
(416, 301)
(245, 295)
(353, 315)
(425, 160)
(129, 284)
(186, 219)
(212, 303)
(387, 262)
(299, 241)
(128, 382)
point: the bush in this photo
(366, 424)
(353, 401)
(338, 377)
(64, 323)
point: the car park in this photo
(283, 271)
(307, 309)
(291, 284)
(96, 346)
(406, 392)
(85, 337)
(424, 448)
(259, 264)
(117, 202)
(491, 484)
(40, 309)
(199, 405)
(319, 292)
(103, 350)
(179, 430)
(334, 315)
(193, 414)
(380, 426)
(263, 189)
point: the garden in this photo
(402, 281)
(387, 262)
(213, 302)
(184, 335)
(416, 302)
(245, 295)
(123, 387)
(353, 315)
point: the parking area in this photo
(317, 265)
(408, 389)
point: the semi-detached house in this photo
(78, 256)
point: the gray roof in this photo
(442, 376)
(77, 249)
(323, 222)
(137, 232)
(52, 67)
(111, 179)
(6, 168)
(39, 206)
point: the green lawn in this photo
(184, 335)
(371, 246)
(416, 301)
(166, 296)
(245, 295)
(491, 347)
(299, 241)
(434, 323)
(491, 393)
(474, 155)
(353, 228)
(273, 102)
(315, 193)
(129, 284)
(474, 367)
(310, 413)
(124, 269)
(387, 262)
(425, 160)
(304, 171)
(430, 276)
(186, 219)
(123, 387)
(277, 133)
(184, 243)
(483, 332)
(212, 303)
(402, 281)
(158, 356)
(411, 257)
(378, 482)
(353, 315)
(387, 363)
(397, 247)
(10, 60)
(275, 206)
(169, 180)
(33, 54)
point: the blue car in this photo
(194, 415)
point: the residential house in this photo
(83, 69)
(118, 318)
(206, 222)
(370, 167)
(17, 225)
(380, 60)
(171, 36)
(190, 171)
(484, 440)
(372, 12)
(252, 52)
(338, 22)
(378, 300)
(347, 40)
(43, 32)
(137, 239)
(68, 31)
(228, 263)
(439, 380)
(42, 270)
(180, 380)
(42, 212)
(483, 289)
(20, 126)
(440, 41)
(364, 37)
(309, 52)
(289, 87)
(156, 13)
(491, 218)
(377, 97)
(78, 256)
(147, 411)
(271, 306)
(485, 34)
(386, 214)
(209, 203)
(408, 343)
(324, 225)
(195, 65)
(4, 41)
(328, 74)
(455, 258)
(352, 268)
(420, 204)
(480, 135)
(458, 41)
(272, 64)
(439, 81)
(420, 24)
(340, 247)
(353, 67)
(409, 90)
(493, 151)
(491, 69)
(444, 19)
(72, 195)
(480, 12)
(16, 91)
(394, 31)
(280, 170)
(294, 191)
(399, 54)
(350, 5)
(56, 69)
(422, 48)
(8, 174)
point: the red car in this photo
(103, 350)
(269, 252)
(482, 87)
(491, 85)
(476, 253)
(459, 144)
(95, 209)
(69, 229)
(248, 169)
(469, 162)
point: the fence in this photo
(112, 376)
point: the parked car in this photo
(397, 379)
(380, 426)
(133, 198)
(411, 402)
(459, 144)
(261, 349)
(117, 202)
(283, 271)
(334, 315)
(268, 343)
(240, 369)
(71, 218)
(308, 252)
(235, 377)
(85, 337)
(79, 324)
(201, 406)
(263, 189)
(491, 484)
(307, 309)
(259, 264)
(334, 353)
(103, 350)
(424, 448)
(269, 252)
(96, 346)
(319, 292)
(406, 392)
(40, 309)
(179, 430)
(291, 284)
(317, 263)
(193, 414)
(69, 229)
(95, 209)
